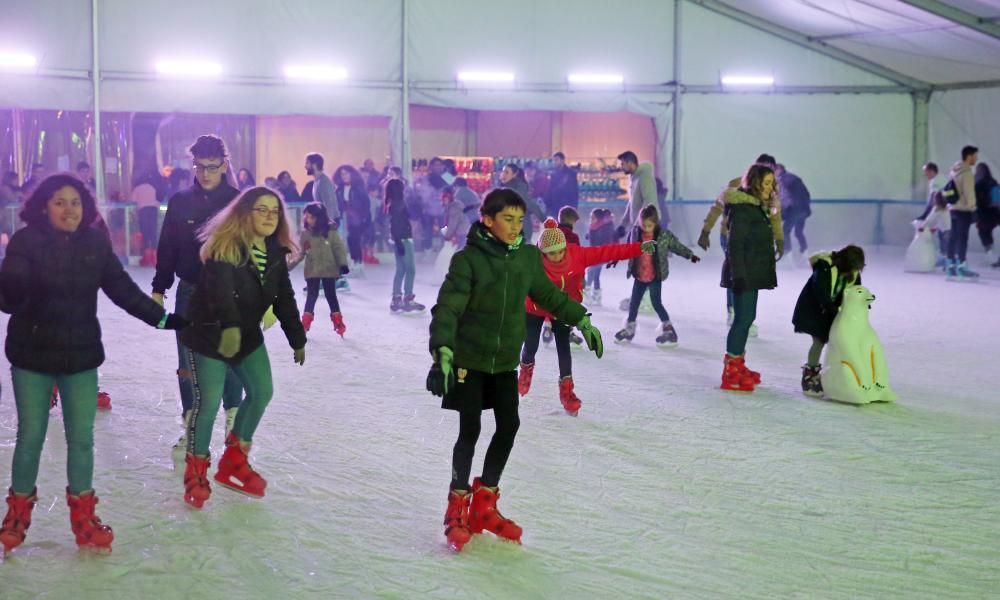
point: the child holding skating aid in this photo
(565, 265)
(477, 330)
(326, 260)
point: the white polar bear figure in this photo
(921, 254)
(855, 370)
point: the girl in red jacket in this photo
(566, 265)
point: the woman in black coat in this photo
(819, 302)
(49, 283)
(245, 274)
(748, 268)
(352, 198)
(987, 214)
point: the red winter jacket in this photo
(568, 275)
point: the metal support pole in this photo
(676, 133)
(921, 143)
(407, 165)
(95, 76)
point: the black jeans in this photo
(355, 241)
(958, 244)
(560, 331)
(655, 288)
(501, 388)
(329, 290)
(798, 223)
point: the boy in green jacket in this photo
(477, 331)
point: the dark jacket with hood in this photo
(820, 298)
(50, 283)
(187, 211)
(750, 256)
(357, 206)
(236, 296)
(479, 312)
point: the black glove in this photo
(441, 377)
(400, 249)
(611, 265)
(620, 232)
(694, 259)
(739, 285)
(344, 270)
(175, 322)
(703, 241)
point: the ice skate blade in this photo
(667, 345)
(624, 342)
(98, 550)
(737, 390)
(236, 488)
(814, 395)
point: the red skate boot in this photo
(18, 519)
(568, 398)
(307, 321)
(196, 487)
(456, 519)
(338, 323)
(235, 471)
(754, 375)
(103, 400)
(733, 376)
(89, 531)
(524, 378)
(484, 514)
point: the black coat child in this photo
(236, 296)
(50, 283)
(820, 298)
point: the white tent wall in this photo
(962, 118)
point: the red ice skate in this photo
(524, 378)
(103, 400)
(456, 519)
(338, 323)
(754, 375)
(18, 519)
(568, 398)
(484, 514)
(734, 376)
(235, 471)
(89, 531)
(307, 321)
(196, 487)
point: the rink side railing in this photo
(834, 221)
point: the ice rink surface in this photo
(663, 487)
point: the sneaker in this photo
(667, 337)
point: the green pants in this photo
(209, 379)
(78, 396)
(744, 314)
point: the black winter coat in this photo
(179, 248)
(750, 254)
(358, 207)
(820, 298)
(50, 283)
(400, 227)
(235, 296)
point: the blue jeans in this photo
(655, 288)
(233, 393)
(594, 276)
(406, 270)
(744, 313)
(209, 379)
(32, 394)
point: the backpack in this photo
(995, 195)
(950, 192)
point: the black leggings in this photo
(560, 330)
(505, 411)
(958, 243)
(329, 290)
(355, 241)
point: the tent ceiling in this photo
(935, 41)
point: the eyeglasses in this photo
(263, 211)
(210, 169)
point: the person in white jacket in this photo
(962, 212)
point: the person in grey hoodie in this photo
(962, 212)
(642, 189)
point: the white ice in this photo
(664, 486)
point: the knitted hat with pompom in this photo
(552, 238)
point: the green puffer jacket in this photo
(479, 312)
(750, 254)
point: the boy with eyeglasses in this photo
(178, 255)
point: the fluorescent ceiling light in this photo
(485, 77)
(188, 68)
(315, 72)
(748, 80)
(17, 61)
(595, 79)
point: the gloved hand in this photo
(611, 265)
(779, 249)
(620, 232)
(269, 318)
(344, 270)
(175, 322)
(703, 241)
(591, 335)
(648, 247)
(441, 378)
(158, 298)
(229, 344)
(739, 285)
(695, 259)
(300, 356)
